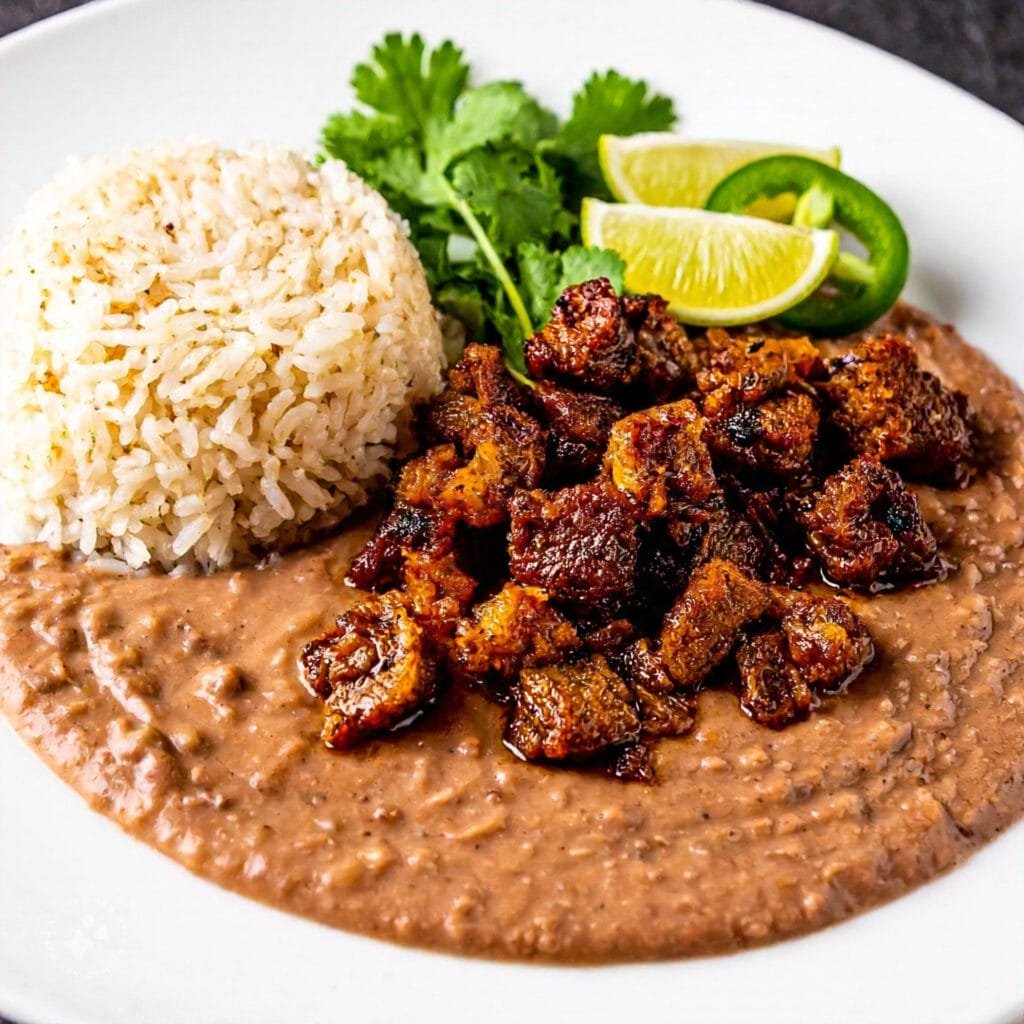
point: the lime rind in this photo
(723, 249)
(695, 168)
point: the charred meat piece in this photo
(774, 438)
(452, 418)
(867, 531)
(571, 712)
(422, 479)
(728, 535)
(658, 456)
(578, 424)
(772, 690)
(745, 370)
(827, 643)
(890, 408)
(633, 763)
(506, 451)
(664, 711)
(666, 554)
(373, 670)
(587, 343)
(481, 373)
(437, 592)
(406, 528)
(515, 628)
(667, 361)
(608, 638)
(580, 544)
(704, 624)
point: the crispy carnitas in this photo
(594, 550)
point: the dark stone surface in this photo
(979, 44)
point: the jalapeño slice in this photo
(857, 290)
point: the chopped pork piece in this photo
(579, 543)
(658, 457)
(481, 373)
(727, 534)
(515, 628)
(774, 438)
(772, 690)
(745, 370)
(867, 530)
(437, 592)
(906, 417)
(506, 452)
(451, 418)
(572, 711)
(406, 527)
(704, 624)
(587, 343)
(578, 424)
(373, 670)
(422, 479)
(826, 641)
(664, 711)
(667, 360)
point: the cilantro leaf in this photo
(496, 112)
(608, 103)
(511, 206)
(488, 181)
(399, 83)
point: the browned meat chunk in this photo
(514, 629)
(437, 592)
(379, 564)
(658, 456)
(571, 712)
(775, 437)
(867, 531)
(633, 763)
(587, 343)
(667, 360)
(728, 535)
(664, 711)
(827, 643)
(451, 418)
(704, 624)
(422, 479)
(609, 638)
(578, 425)
(772, 690)
(372, 670)
(819, 647)
(579, 544)
(663, 563)
(745, 371)
(481, 373)
(507, 452)
(889, 408)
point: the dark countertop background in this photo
(978, 44)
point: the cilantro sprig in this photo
(489, 180)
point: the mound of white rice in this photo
(204, 354)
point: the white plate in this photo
(98, 929)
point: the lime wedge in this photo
(662, 169)
(714, 268)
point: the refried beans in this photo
(173, 705)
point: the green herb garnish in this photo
(489, 180)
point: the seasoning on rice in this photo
(204, 354)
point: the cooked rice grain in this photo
(204, 354)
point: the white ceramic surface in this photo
(96, 928)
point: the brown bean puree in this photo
(173, 705)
